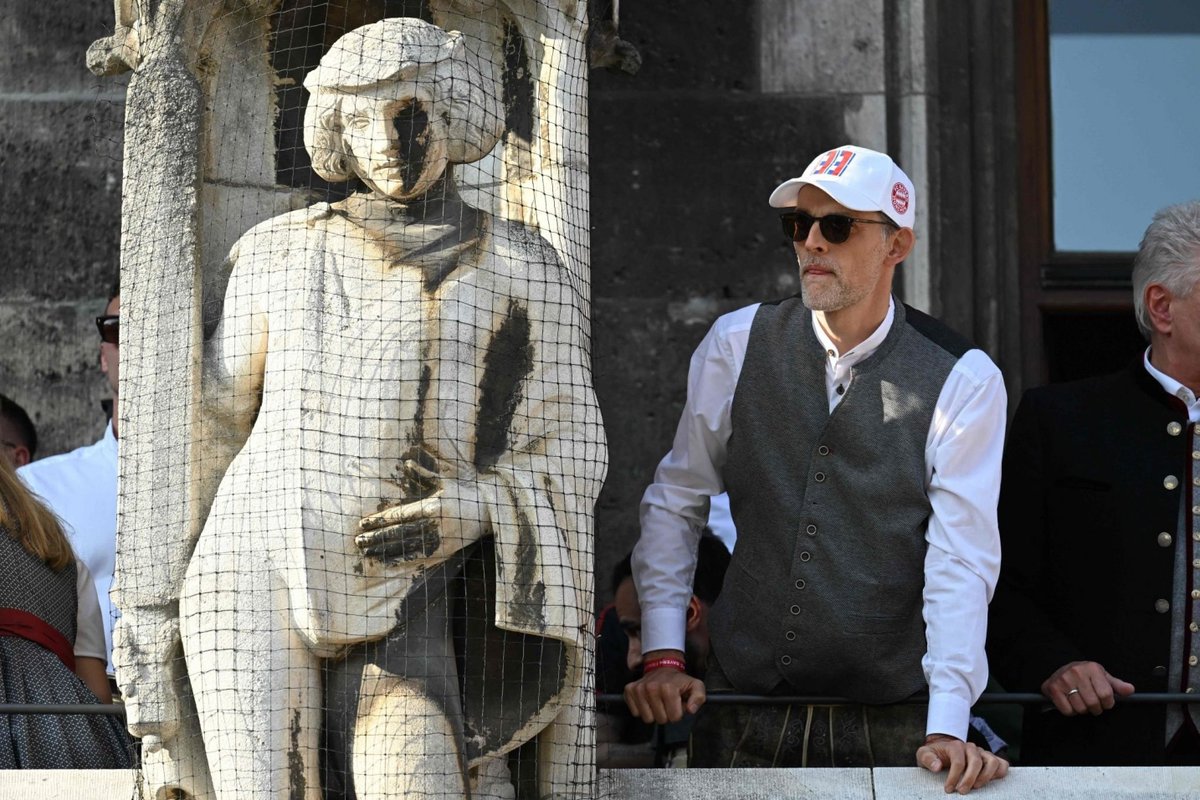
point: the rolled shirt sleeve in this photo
(675, 506)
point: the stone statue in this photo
(399, 426)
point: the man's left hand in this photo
(970, 767)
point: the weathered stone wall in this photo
(734, 98)
(684, 155)
(60, 166)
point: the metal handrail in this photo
(115, 710)
(1012, 698)
(718, 698)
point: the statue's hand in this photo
(431, 528)
(145, 644)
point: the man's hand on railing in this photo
(970, 767)
(661, 694)
(1084, 686)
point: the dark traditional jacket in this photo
(1089, 514)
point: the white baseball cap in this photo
(858, 178)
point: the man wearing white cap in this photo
(859, 441)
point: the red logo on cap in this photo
(900, 198)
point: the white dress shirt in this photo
(89, 622)
(80, 487)
(1174, 387)
(962, 475)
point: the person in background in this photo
(619, 651)
(80, 487)
(18, 436)
(1099, 595)
(51, 644)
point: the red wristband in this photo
(665, 662)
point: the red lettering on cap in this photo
(900, 198)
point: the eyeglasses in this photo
(834, 227)
(109, 326)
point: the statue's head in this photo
(397, 101)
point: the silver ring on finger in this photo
(1073, 691)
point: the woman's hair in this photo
(30, 522)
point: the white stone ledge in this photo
(1022, 783)
(902, 783)
(67, 784)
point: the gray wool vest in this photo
(823, 595)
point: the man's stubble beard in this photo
(834, 296)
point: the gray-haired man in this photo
(1100, 518)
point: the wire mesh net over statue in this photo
(360, 447)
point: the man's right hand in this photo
(1084, 687)
(663, 694)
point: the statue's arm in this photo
(233, 370)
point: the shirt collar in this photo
(862, 350)
(109, 439)
(1170, 385)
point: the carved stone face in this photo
(395, 141)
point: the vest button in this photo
(795, 611)
(785, 660)
(1196, 594)
(800, 584)
(1164, 539)
(1159, 672)
(1162, 606)
(1192, 661)
(1170, 482)
(1174, 428)
(811, 530)
(823, 450)
(805, 556)
(790, 636)
(819, 477)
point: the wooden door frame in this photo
(1051, 281)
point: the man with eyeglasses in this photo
(80, 487)
(859, 441)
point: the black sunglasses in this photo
(109, 326)
(834, 227)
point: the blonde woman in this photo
(51, 644)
